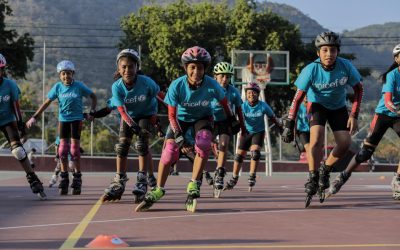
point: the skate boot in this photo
(323, 181)
(140, 188)
(200, 181)
(219, 181)
(337, 183)
(53, 180)
(396, 186)
(231, 183)
(252, 181)
(57, 170)
(64, 183)
(151, 181)
(152, 197)
(193, 192)
(76, 183)
(311, 186)
(36, 185)
(209, 179)
(116, 188)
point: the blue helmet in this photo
(65, 65)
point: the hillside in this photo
(89, 38)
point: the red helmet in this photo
(196, 54)
(252, 86)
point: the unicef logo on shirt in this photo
(257, 114)
(343, 80)
(140, 98)
(205, 103)
(334, 84)
(6, 98)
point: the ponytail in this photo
(117, 75)
(392, 67)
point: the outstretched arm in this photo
(38, 112)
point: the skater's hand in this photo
(352, 124)
(288, 130)
(179, 139)
(186, 148)
(90, 116)
(30, 122)
(235, 124)
(135, 128)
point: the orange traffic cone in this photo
(107, 241)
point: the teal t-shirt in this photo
(328, 88)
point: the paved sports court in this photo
(362, 216)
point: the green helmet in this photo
(223, 68)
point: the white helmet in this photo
(396, 50)
(3, 61)
(65, 65)
(129, 53)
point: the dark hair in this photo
(392, 67)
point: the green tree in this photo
(164, 32)
(17, 50)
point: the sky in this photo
(339, 15)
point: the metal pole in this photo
(267, 139)
(91, 137)
(43, 89)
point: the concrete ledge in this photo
(107, 164)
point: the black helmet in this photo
(327, 38)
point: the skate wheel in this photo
(328, 194)
(62, 191)
(138, 198)
(191, 205)
(217, 193)
(76, 191)
(42, 196)
(106, 198)
(322, 196)
(308, 200)
(143, 206)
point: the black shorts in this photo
(198, 125)
(143, 122)
(251, 139)
(10, 131)
(337, 118)
(222, 127)
(379, 125)
(68, 130)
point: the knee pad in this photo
(364, 154)
(170, 154)
(239, 158)
(142, 147)
(255, 155)
(63, 149)
(18, 152)
(122, 148)
(75, 150)
(203, 143)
